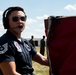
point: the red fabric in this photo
(62, 47)
(46, 26)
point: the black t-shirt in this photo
(21, 52)
(32, 42)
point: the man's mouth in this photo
(20, 26)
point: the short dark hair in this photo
(44, 37)
(32, 36)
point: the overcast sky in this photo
(37, 11)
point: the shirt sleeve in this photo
(6, 53)
(33, 50)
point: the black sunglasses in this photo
(22, 18)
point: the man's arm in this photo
(41, 59)
(9, 68)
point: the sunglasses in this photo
(22, 18)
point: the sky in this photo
(37, 11)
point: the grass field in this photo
(40, 69)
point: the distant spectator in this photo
(42, 45)
(32, 41)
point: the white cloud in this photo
(27, 27)
(38, 30)
(42, 17)
(30, 20)
(1, 12)
(1, 25)
(70, 7)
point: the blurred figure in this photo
(32, 41)
(42, 45)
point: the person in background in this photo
(42, 45)
(16, 53)
(32, 41)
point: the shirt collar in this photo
(12, 36)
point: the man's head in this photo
(43, 37)
(32, 37)
(9, 12)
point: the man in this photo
(42, 45)
(32, 41)
(16, 53)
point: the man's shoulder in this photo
(3, 44)
(30, 40)
(25, 40)
(41, 39)
(3, 39)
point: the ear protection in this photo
(6, 13)
(5, 18)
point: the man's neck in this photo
(18, 35)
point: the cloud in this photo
(1, 22)
(70, 7)
(1, 12)
(38, 30)
(30, 21)
(42, 17)
(1, 25)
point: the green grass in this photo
(40, 69)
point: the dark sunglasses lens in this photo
(23, 18)
(15, 19)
